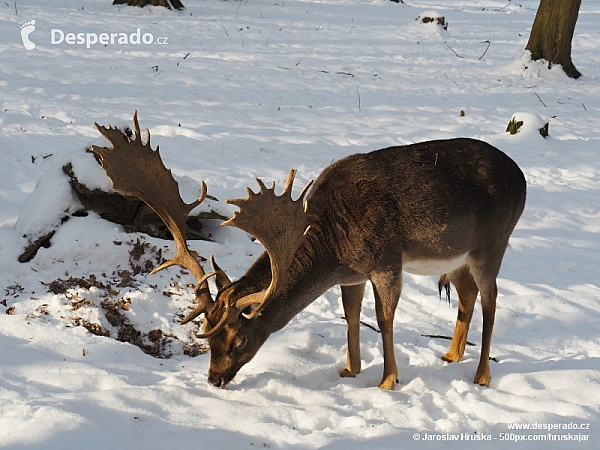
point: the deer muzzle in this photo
(216, 380)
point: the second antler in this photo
(279, 224)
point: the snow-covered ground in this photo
(253, 88)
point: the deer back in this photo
(432, 200)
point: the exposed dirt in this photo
(143, 257)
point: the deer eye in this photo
(239, 344)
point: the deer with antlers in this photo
(445, 207)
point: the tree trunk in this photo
(552, 33)
(166, 3)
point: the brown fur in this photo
(369, 214)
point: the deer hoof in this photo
(347, 374)
(451, 357)
(482, 379)
(389, 382)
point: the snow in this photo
(254, 88)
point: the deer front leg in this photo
(352, 297)
(387, 287)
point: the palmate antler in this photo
(279, 224)
(135, 169)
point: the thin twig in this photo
(439, 336)
(488, 42)
(451, 80)
(366, 324)
(370, 326)
(540, 99)
(454, 51)
(358, 94)
(16, 11)
(338, 73)
(226, 31)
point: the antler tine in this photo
(202, 307)
(138, 134)
(135, 169)
(303, 193)
(221, 277)
(225, 318)
(263, 187)
(222, 280)
(136, 130)
(279, 223)
(287, 189)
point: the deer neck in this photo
(311, 273)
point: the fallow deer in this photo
(445, 207)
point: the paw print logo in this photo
(26, 29)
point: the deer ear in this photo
(221, 279)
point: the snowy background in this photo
(253, 88)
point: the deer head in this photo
(280, 224)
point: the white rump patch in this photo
(433, 266)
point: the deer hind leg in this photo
(352, 297)
(387, 287)
(488, 304)
(484, 273)
(467, 295)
